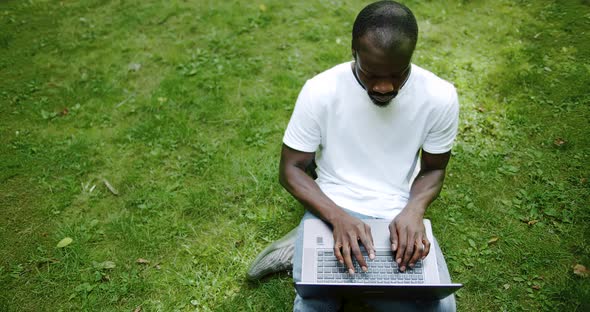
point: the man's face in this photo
(381, 73)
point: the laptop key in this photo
(382, 253)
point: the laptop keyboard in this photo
(382, 270)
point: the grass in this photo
(181, 106)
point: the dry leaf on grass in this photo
(110, 187)
(137, 309)
(493, 240)
(559, 142)
(142, 261)
(581, 271)
(64, 242)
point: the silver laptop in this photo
(322, 275)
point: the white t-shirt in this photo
(366, 154)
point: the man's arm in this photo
(348, 231)
(408, 235)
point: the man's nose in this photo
(383, 87)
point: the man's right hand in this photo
(349, 233)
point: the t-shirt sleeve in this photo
(303, 132)
(441, 136)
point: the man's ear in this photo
(353, 54)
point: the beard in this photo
(380, 99)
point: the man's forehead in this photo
(377, 61)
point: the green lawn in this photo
(181, 106)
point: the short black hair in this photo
(390, 24)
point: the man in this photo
(367, 123)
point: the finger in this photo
(367, 241)
(347, 259)
(418, 251)
(337, 253)
(401, 245)
(358, 255)
(393, 237)
(410, 242)
(426, 243)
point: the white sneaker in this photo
(277, 257)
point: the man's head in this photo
(384, 36)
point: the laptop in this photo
(323, 276)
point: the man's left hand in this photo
(408, 238)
